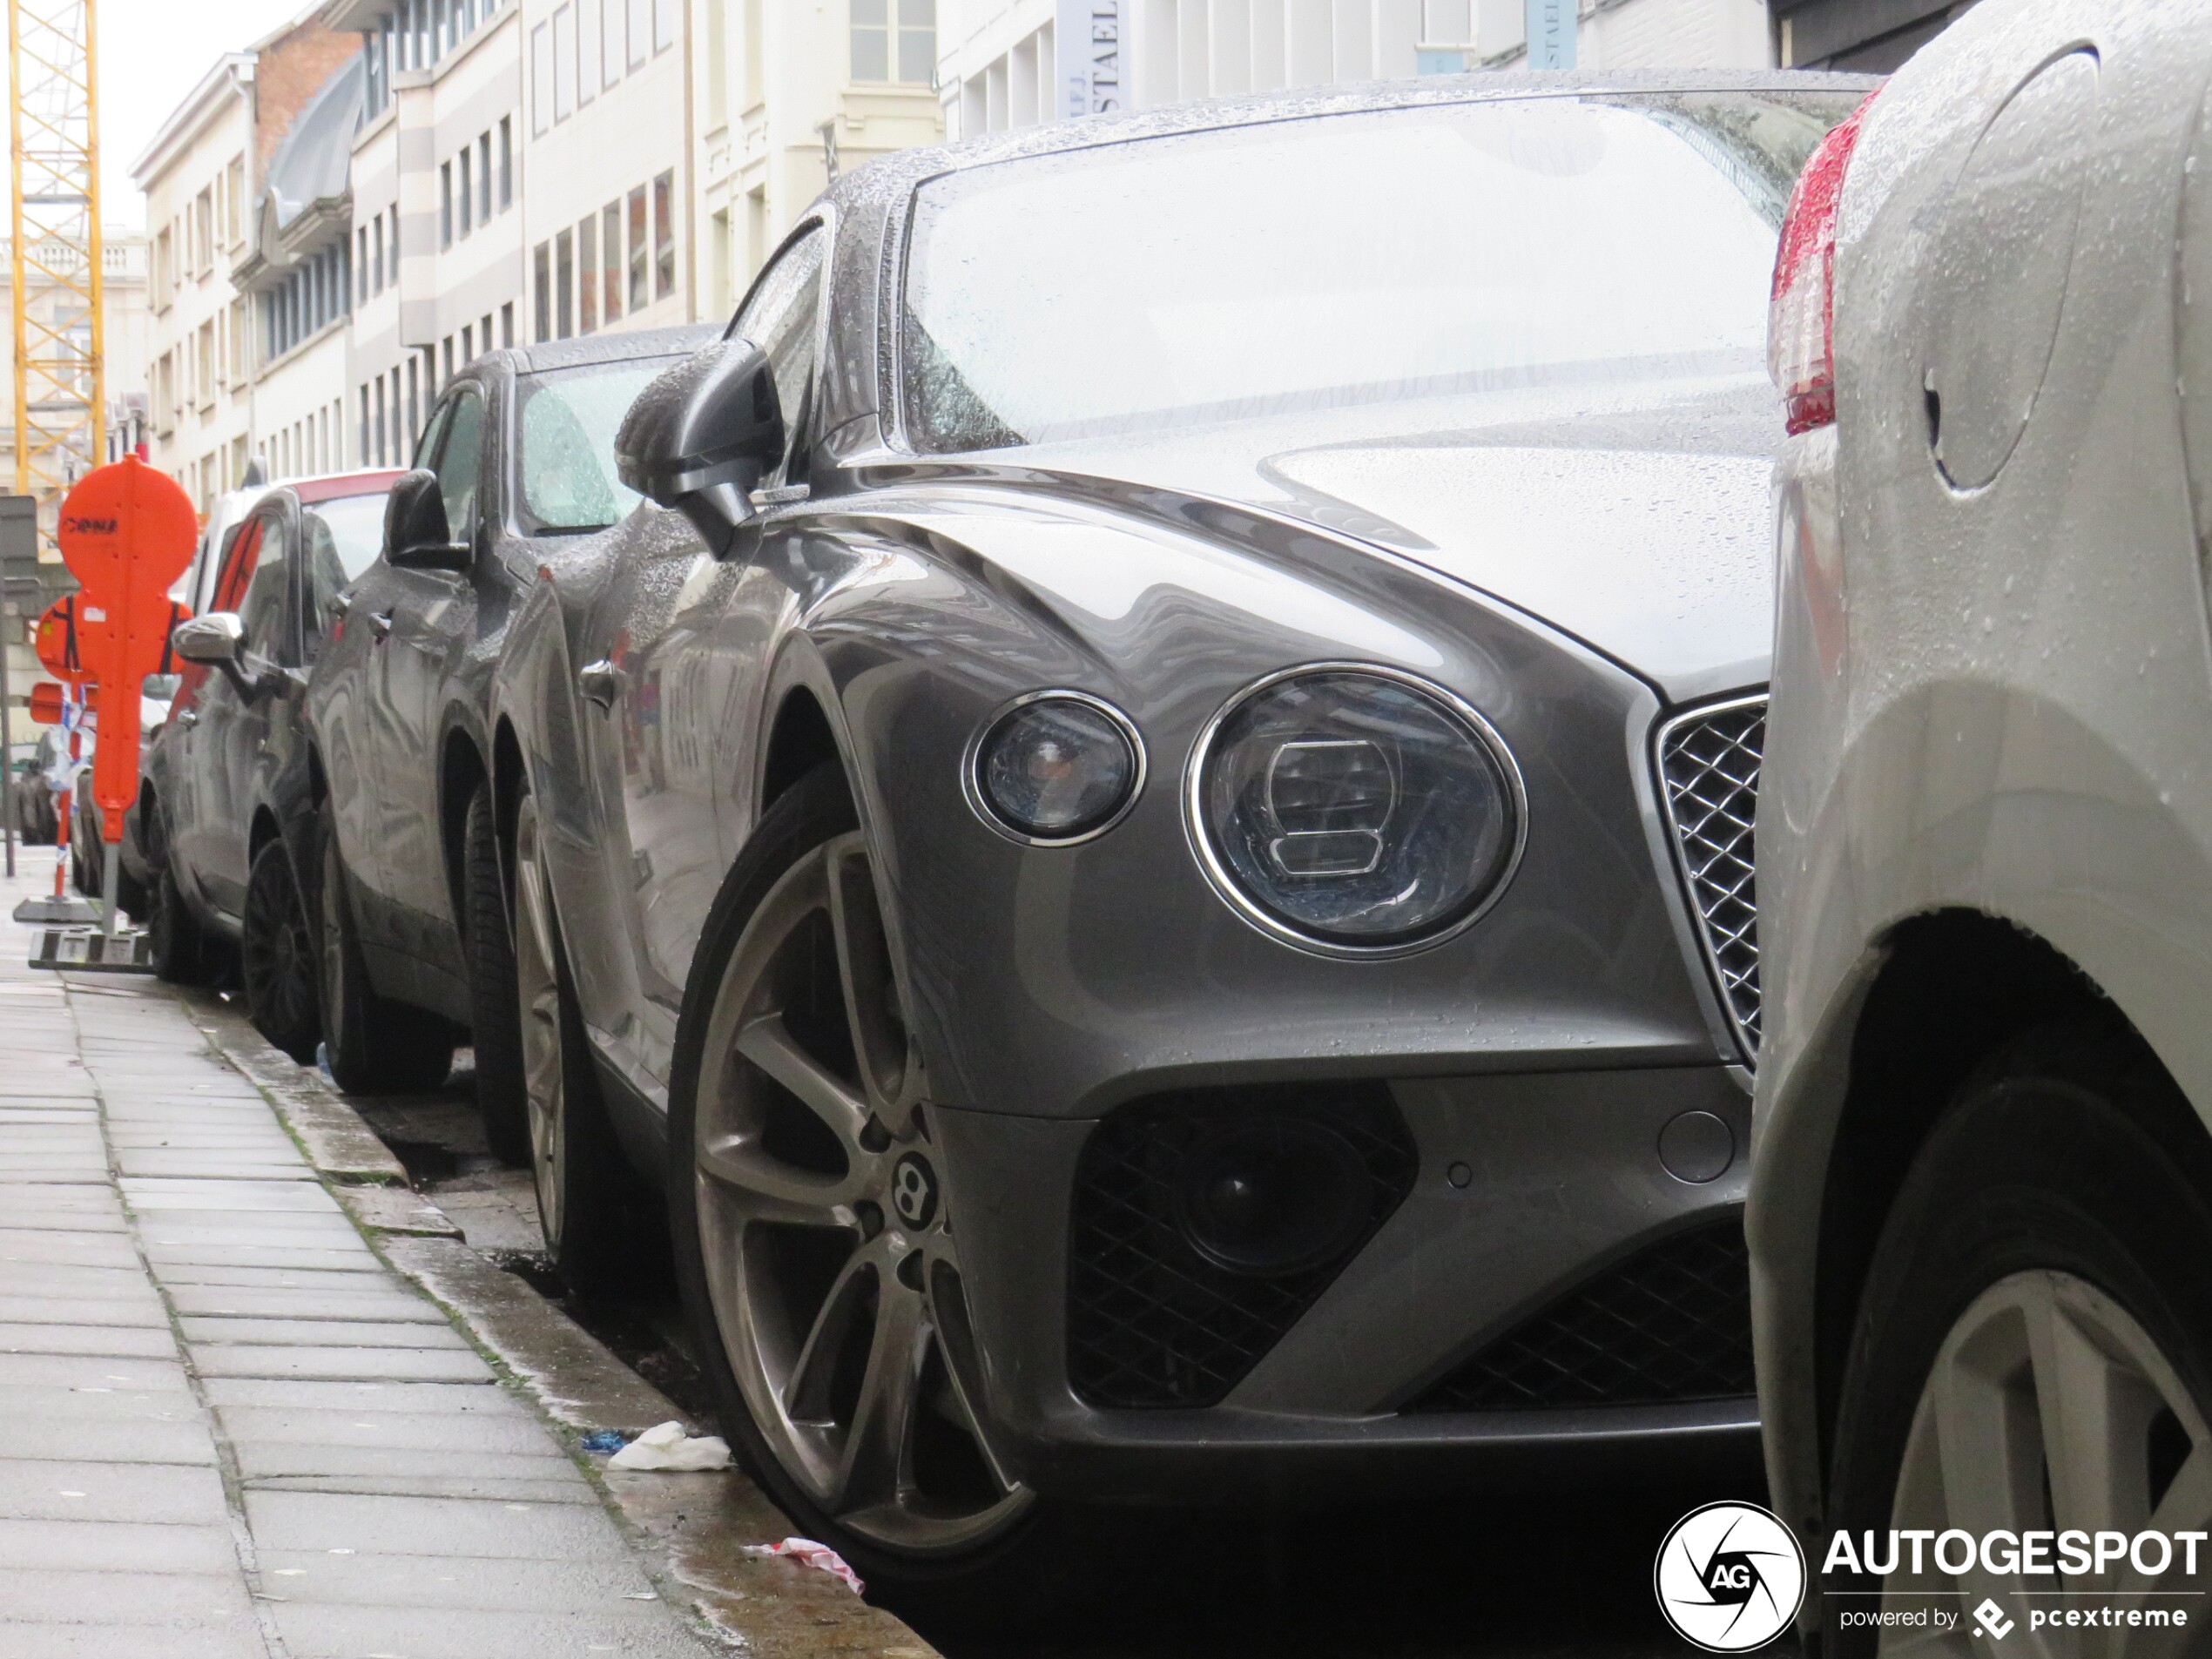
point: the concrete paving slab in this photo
(35, 1217)
(23, 1244)
(519, 1435)
(451, 1526)
(37, 1489)
(150, 1196)
(167, 1258)
(126, 1342)
(347, 1365)
(273, 1277)
(116, 1546)
(254, 1302)
(81, 1370)
(317, 1631)
(110, 1437)
(214, 1163)
(64, 1279)
(376, 1580)
(104, 1404)
(450, 1400)
(518, 1489)
(141, 1309)
(325, 1333)
(237, 1638)
(262, 1461)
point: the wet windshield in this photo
(1171, 281)
(568, 423)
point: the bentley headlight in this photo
(1355, 808)
(1055, 767)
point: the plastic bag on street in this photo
(807, 1553)
(667, 1448)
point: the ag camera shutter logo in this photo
(1730, 1577)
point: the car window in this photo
(460, 462)
(261, 611)
(339, 539)
(434, 429)
(242, 546)
(1470, 248)
(567, 435)
(778, 316)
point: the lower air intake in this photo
(1671, 1323)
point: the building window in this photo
(467, 192)
(445, 204)
(468, 342)
(908, 45)
(361, 264)
(638, 249)
(236, 174)
(665, 13)
(541, 291)
(362, 442)
(393, 269)
(610, 260)
(641, 31)
(378, 405)
(587, 266)
(611, 37)
(564, 282)
(587, 51)
(664, 235)
(448, 352)
(484, 179)
(563, 61)
(507, 323)
(413, 398)
(541, 79)
(506, 162)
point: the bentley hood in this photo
(1638, 523)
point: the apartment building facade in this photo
(436, 259)
(1004, 64)
(606, 206)
(199, 416)
(785, 97)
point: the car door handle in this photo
(600, 681)
(339, 604)
(380, 624)
(187, 718)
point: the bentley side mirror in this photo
(217, 640)
(416, 536)
(702, 436)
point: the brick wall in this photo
(288, 72)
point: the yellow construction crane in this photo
(54, 149)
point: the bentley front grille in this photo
(1709, 771)
(1671, 1323)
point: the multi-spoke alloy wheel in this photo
(2028, 1373)
(825, 1238)
(277, 956)
(2049, 1408)
(538, 985)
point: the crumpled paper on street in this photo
(666, 1447)
(807, 1553)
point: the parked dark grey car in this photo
(1120, 821)
(231, 786)
(515, 469)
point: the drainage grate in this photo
(1152, 1322)
(1671, 1323)
(1709, 765)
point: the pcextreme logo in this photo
(1730, 1577)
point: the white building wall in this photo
(300, 408)
(997, 58)
(607, 149)
(197, 213)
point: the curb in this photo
(698, 1524)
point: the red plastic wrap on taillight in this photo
(1801, 335)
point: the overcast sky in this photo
(151, 53)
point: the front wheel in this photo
(2034, 1354)
(595, 1222)
(277, 957)
(181, 953)
(813, 1241)
(375, 1046)
(502, 1100)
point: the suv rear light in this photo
(1801, 336)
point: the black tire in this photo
(132, 893)
(1022, 1574)
(2072, 1154)
(375, 1046)
(277, 957)
(603, 1227)
(180, 951)
(489, 941)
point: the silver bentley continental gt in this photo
(1149, 826)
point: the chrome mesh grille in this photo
(1709, 766)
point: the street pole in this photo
(7, 734)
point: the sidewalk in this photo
(227, 1427)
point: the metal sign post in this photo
(18, 575)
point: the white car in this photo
(1981, 1208)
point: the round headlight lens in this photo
(1356, 809)
(1057, 768)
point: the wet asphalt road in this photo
(1524, 1576)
